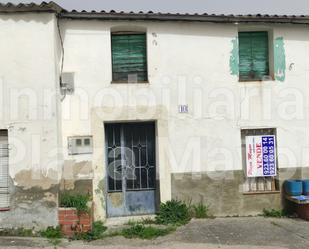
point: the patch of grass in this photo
(96, 233)
(75, 201)
(274, 213)
(200, 211)
(54, 241)
(20, 232)
(53, 234)
(132, 222)
(148, 221)
(145, 232)
(145, 221)
(173, 212)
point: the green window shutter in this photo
(253, 55)
(129, 56)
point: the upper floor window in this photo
(253, 55)
(129, 57)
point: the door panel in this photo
(131, 163)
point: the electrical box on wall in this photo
(80, 145)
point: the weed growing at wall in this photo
(20, 232)
(53, 234)
(97, 232)
(173, 212)
(80, 202)
(274, 213)
(145, 232)
(200, 211)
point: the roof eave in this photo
(183, 17)
(50, 7)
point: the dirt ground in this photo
(224, 233)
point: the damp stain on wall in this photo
(234, 57)
(279, 59)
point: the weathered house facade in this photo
(140, 108)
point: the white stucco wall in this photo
(188, 63)
(193, 58)
(29, 81)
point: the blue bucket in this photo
(306, 187)
(293, 187)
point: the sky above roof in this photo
(295, 7)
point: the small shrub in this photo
(75, 201)
(145, 232)
(96, 233)
(98, 229)
(273, 213)
(52, 233)
(173, 212)
(200, 211)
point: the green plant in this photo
(200, 211)
(52, 233)
(273, 213)
(173, 212)
(145, 232)
(75, 201)
(20, 232)
(148, 221)
(145, 221)
(97, 232)
(98, 229)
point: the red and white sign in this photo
(261, 156)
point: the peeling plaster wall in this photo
(29, 79)
(193, 64)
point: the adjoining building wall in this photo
(29, 87)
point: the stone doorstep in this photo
(121, 221)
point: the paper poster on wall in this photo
(261, 156)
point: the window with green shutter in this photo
(253, 55)
(129, 57)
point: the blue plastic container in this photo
(306, 187)
(293, 187)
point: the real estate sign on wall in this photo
(261, 156)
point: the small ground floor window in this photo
(259, 153)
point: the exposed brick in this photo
(68, 222)
(86, 228)
(84, 222)
(68, 212)
(71, 217)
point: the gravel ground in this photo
(224, 233)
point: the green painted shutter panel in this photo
(245, 55)
(253, 55)
(129, 57)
